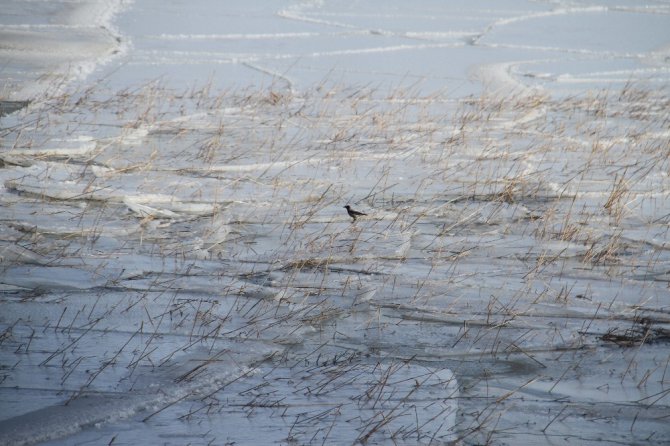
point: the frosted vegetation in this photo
(177, 267)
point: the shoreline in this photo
(64, 43)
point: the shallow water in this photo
(177, 266)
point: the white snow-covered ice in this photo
(176, 266)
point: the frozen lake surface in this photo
(177, 266)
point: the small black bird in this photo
(353, 214)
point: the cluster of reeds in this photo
(198, 237)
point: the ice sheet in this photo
(176, 265)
